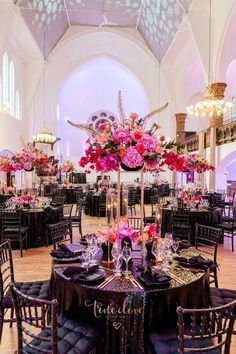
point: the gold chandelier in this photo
(211, 105)
(45, 137)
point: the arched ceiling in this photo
(156, 20)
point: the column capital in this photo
(180, 116)
(218, 90)
(180, 126)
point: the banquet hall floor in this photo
(36, 265)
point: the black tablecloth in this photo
(4, 197)
(162, 190)
(91, 205)
(124, 332)
(37, 221)
(202, 217)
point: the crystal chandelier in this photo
(210, 105)
(45, 137)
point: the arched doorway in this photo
(96, 84)
(224, 172)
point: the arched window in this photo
(12, 88)
(9, 96)
(5, 79)
(17, 105)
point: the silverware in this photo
(136, 282)
(105, 281)
(109, 269)
(133, 282)
(108, 281)
(173, 276)
(193, 270)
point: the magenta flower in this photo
(132, 158)
(108, 162)
(121, 134)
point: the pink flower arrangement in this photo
(123, 230)
(131, 145)
(23, 199)
(67, 166)
(128, 144)
(27, 160)
(150, 233)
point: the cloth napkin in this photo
(72, 249)
(61, 254)
(197, 262)
(184, 244)
(76, 273)
(150, 278)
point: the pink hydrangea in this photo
(132, 158)
(149, 142)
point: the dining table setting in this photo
(132, 292)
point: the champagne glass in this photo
(175, 246)
(126, 255)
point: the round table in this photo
(208, 217)
(122, 312)
(36, 220)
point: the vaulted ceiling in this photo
(156, 20)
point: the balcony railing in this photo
(224, 134)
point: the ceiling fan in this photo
(107, 23)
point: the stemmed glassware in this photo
(156, 249)
(168, 239)
(126, 255)
(175, 246)
(117, 256)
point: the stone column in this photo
(201, 151)
(218, 89)
(180, 126)
(212, 157)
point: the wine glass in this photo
(126, 255)
(117, 256)
(175, 246)
(156, 248)
(168, 239)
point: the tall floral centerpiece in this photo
(128, 146)
(131, 146)
(67, 166)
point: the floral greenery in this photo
(133, 146)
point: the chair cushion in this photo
(73, 338)
(181, 226)
(166, 342)
(22, 229)
(39, 289)
(221, 297)
(226, 226)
